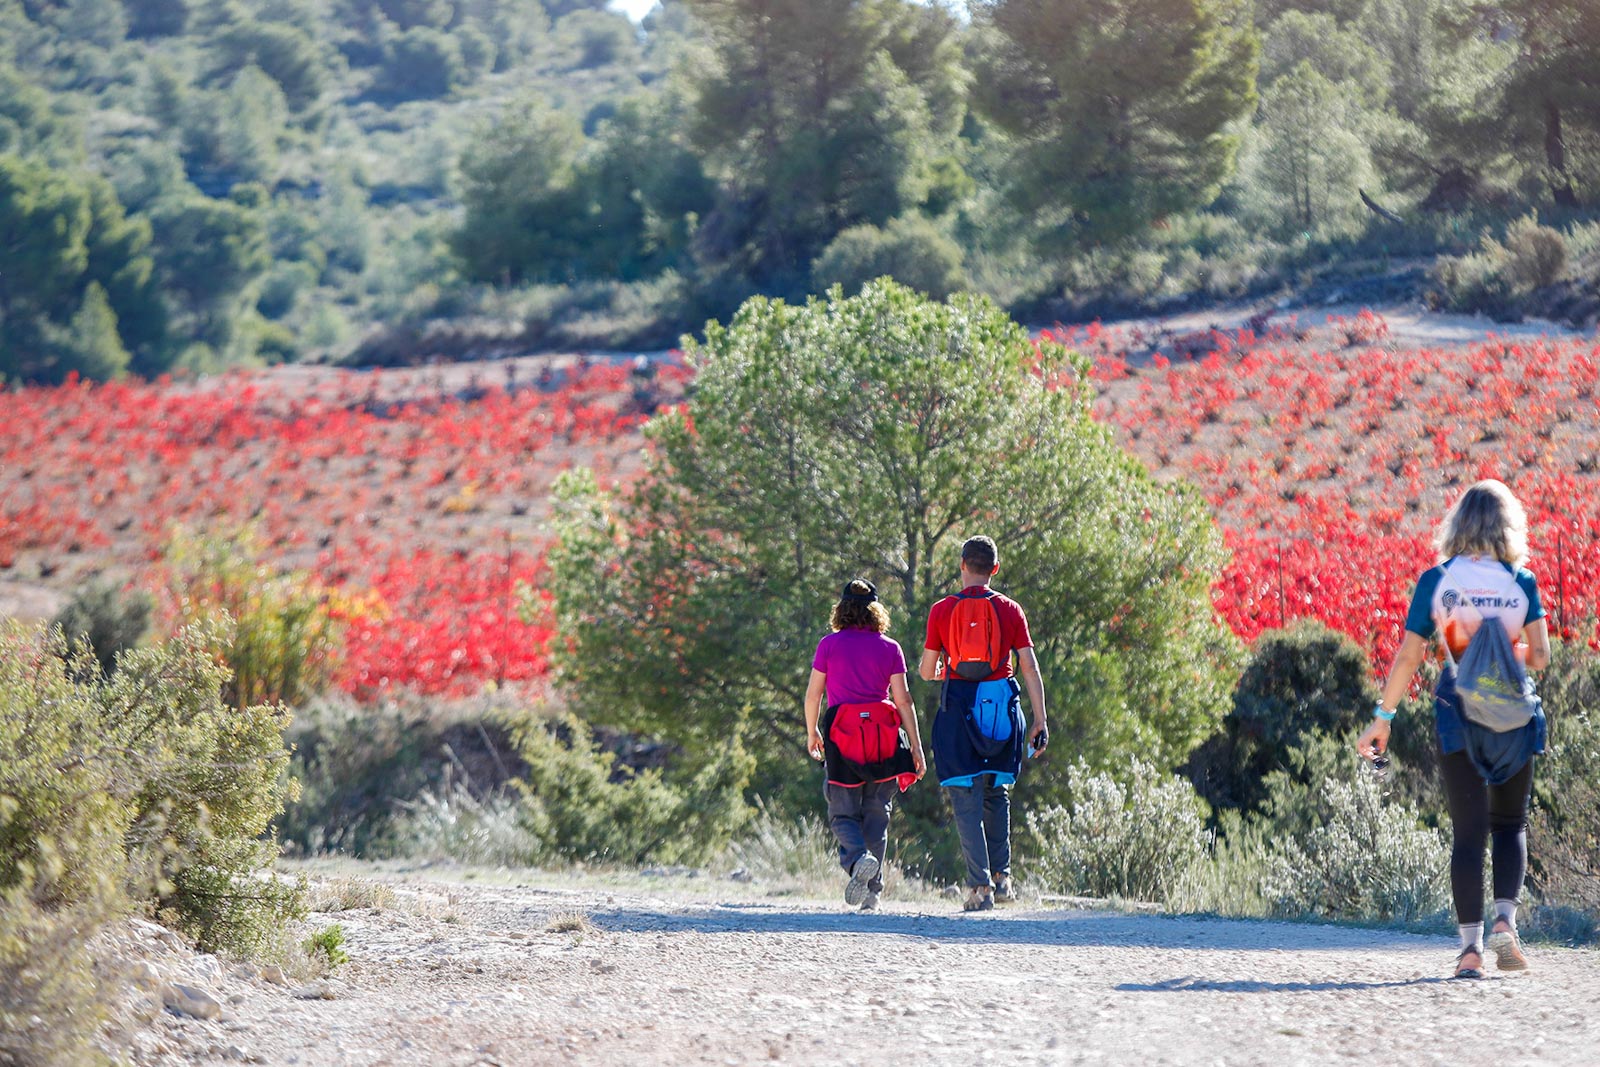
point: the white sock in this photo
(1472, 936)
(1507, 910)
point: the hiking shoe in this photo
(865, 870)
(1469, 962)
(1004, 891)
(979, 898)
(1507, 952)
(870, 901)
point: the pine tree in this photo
(815, 116)
(1122, 110)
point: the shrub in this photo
(1353, 849)
(1134, 839)
(456, 824)
(910, 249)
(1328, 841)
(1564, 829)
(51, 1002)
(283, 641)
(64, 806)
(1536, 254)
(1371, 860)
(281, 287)
(798, 852)
(145, 780)
(327, 947)
(212, 781)
(422, 63)
(1298, 680)
(597, 38)
(372, 778)
(583, 806)
(1501, 275)
(1250, 871)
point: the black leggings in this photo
(1479, 811)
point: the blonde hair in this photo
(858, 615)
(1488, 520)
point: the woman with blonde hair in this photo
(1487, 769)
(867, 738)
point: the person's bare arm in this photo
(908, 719)
(1413, 650)
(1537, 634)
(1028, 667)
(929, 667)
(815, 689)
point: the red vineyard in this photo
(427, 502)
(1328, 457)
(1330, 466)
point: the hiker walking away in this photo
(867, 739)
(978, 735)
(1487, 720)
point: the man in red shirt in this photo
(978, 740)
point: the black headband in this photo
(869, 597)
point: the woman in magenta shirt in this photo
(867, 737)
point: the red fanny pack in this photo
(866, 734)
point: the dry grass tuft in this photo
(569, 922)
(351, 894)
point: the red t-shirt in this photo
(1013, 628)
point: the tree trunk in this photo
(1555, 154)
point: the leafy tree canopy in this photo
(77, 292)
(818, 115)
(870, 436)
(1123, 110)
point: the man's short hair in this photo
(979, 555)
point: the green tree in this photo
(1309, 155)
(1123, 111)
(420, 64)
(814, 116)
(869, 436)
(1550, 103)
(286, 53)
(598, 39)
(524, 214)
(207, 252)
(30, 122)
(64, 233)
(1503, 95)
(91, 344)
(1338, 53)
(647, 190)
(157, 18)
(234, 135)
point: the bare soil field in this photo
(533, 968)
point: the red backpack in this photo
(972, 637)
(866, 734)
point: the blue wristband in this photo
(1379, 713)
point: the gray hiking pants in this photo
(860, 820)
(983, 820)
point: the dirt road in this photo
(695, 971)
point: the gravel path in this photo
(695, 971)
